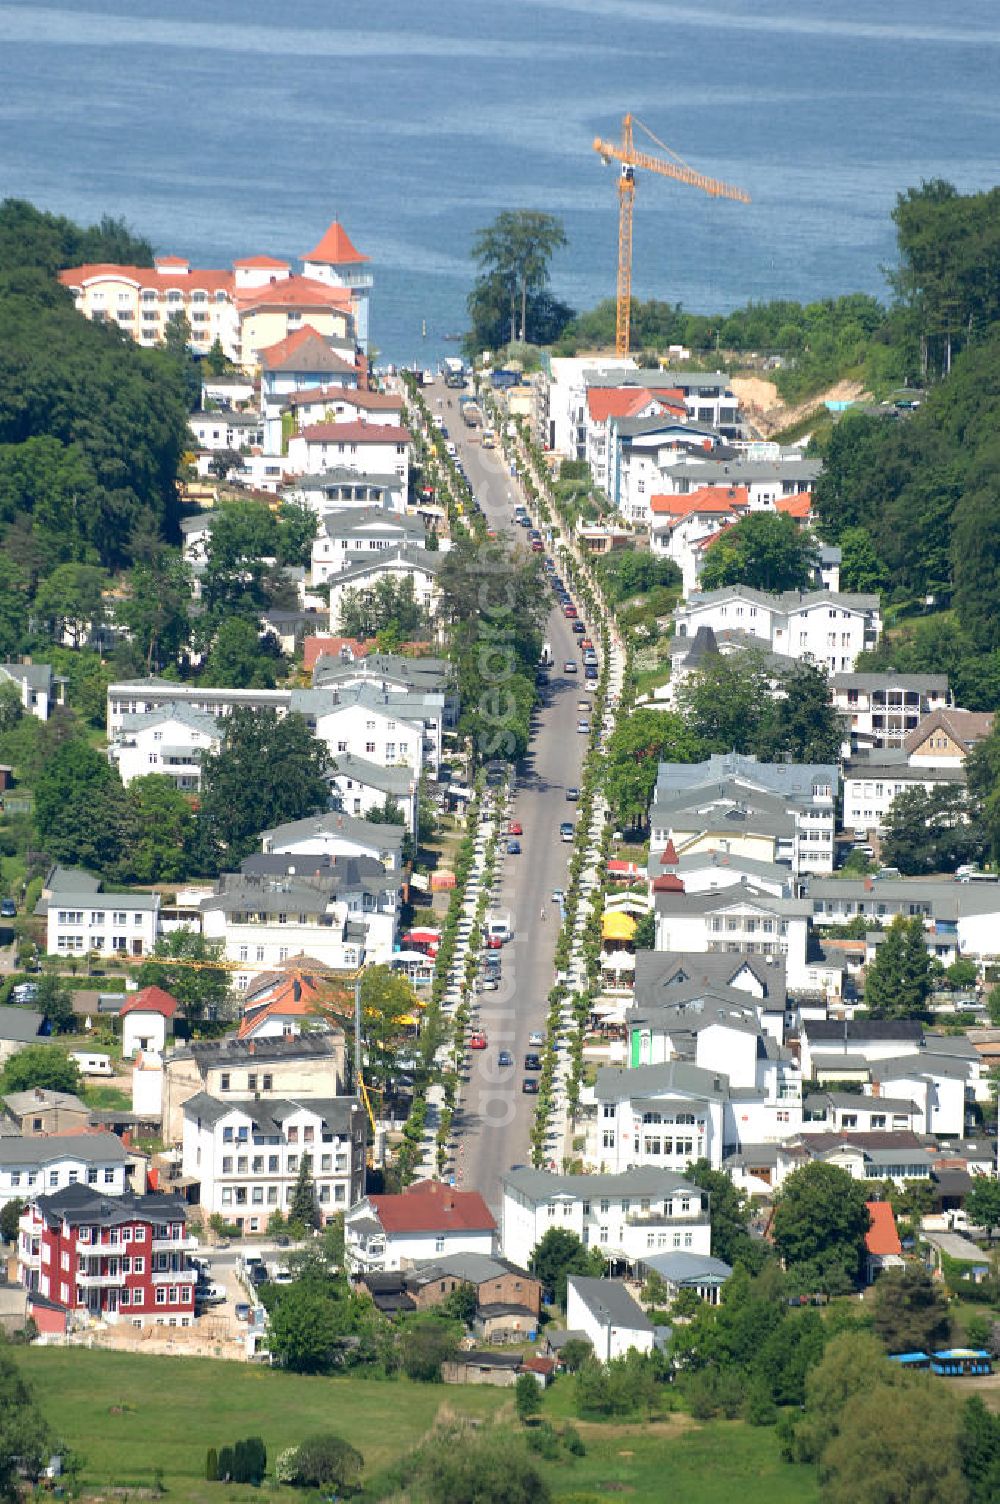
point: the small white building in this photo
(247, 1156)
(397, 563)
(336, 835)
(423, 1222)
(881, 710)
(351, 535)
(626, 1215)
(339, 488)
(147, 1019)
(171, 740)
(81, 918)
(606, 1312)
(370, 448)
(32, 1164)
(359, 786)
(831, 629)
(37, 686)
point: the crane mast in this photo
(629, 159)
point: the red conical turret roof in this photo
(669, 857)
(335, 248)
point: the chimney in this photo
(252, 1047)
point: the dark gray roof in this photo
(857, 1029)
(214, 1053)
(78, 1204)
(34, 675)
(616, 1082)
(610, 1303)
(890, 680)
(789, 780)
(681, 1268)
(267, 1116)
(658, 973)
(335, 823)
(378, 562)
(20, 1025)
(474, 1268)
(398, 781)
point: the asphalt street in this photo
(494, 1120)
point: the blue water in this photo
(233, 127)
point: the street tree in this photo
(899, 980)
(42, 1066)
(388, 1004)
(267, 771)
(819, 1227)
(765, 551)
(25, 1439)
(911, 1314)
(200, 988)
(983, 1202)
(54, 998)
(513, 255)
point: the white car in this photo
(535, 1038)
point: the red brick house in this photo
(113, 1258)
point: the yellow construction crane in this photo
(630, 159)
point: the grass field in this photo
(131, 1415)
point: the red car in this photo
(494, 943)
(516, 828)
(569, 611)
(477, 1041)
(537, 546)
(585, 644)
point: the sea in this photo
(221, 128)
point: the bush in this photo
(327, 1462)
(212, 1465)
(226, 1464)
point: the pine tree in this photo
(225, 1468)
(212, 1465)
(304, 1207)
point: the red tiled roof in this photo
(197, 278)
(331, 647)
(605, 402)
(295, 997)
(151, 1000)
(370, 401)
(669, 883)
(335, 248)
(882, 1238)
(294, 292)
(171, 261)
(710, 499)
(430, 1206)
(668, 857)
(263, 261)
(798, 506)
(353, 433)
(294, 344)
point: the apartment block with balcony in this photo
(171, 741)
(627, 1215)
(80, 918)
(247, 1156)
(113, 1259)
(881, 710)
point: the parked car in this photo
(569, 667)
(210, 1295)
(505, 1058)
(24, 992)
(515, 828)
(282, 1277)
(557, 895)
(583, 727)
(590, 671)
(536, 1037)
(572, 794)
(488, 984)
(477, 1041)
(529, 1086)
(569, 611)
(578, 627)
(532, 1062)
(8, 909)
(494, 942)
(566, 831)
(514, 848)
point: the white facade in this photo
(264, 941)
(882, 709)
(830, 629)
(223, 432)
(394, 563)
(747, 921)
(625, 1215)
(109, 924)
(171, 742)
(336, 835)
(663, 1116)
(369, 448)
(374, 1242)
(392, 730)
(36, 686)
(144, 1032)
(36, 1165)
(247, 1155)
(609, 1317)
(349, 537)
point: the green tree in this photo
(211, 1465)
(329, 1463)
(725, 700)
(513, 255)
(645, 932)
(637, 746)
(226, 1464)
(900, 1441)
(729, 1211)
(10, 1216)
(853, 1363)
(820, 1223)
(911, 1314)
(983, 1202)
(898, 981)
(574, 1352)
(389, 606)
(162, 831)
(979, 1448)
(930, 830)
(305, 1328)
(40, 1065)
(799, 721)
(240, 659)
(156, 608)
(304, 1207)
(765, 551)
(201, 990)
(982, 771)
(489, 1465)
(25, 1439)
(423, 1347)
(80, 808)
(861, 569)
(54, 998)
(527, 1399)
(461, 1305)
(70, 602)
(558, 1255)
(267, 771)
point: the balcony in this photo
(98, 1281)
(175, 1276)
(680, 1221)
(175, 1245)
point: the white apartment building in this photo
(666, 1116)
(768, 478)
(38, 687)
(391, 728)
(743, 921)
(222, 432)
(397, 563)
(370, 448)
(830, 629)
(247, 1156)
(263, 921)
(428, 1220)
(881, 710)
(608, 1316)
(170, 741)
(626, 1215)
(350, 536)
(340, 488)
(36, 1164)
(359, 786)
(81, 918)
(872, 784)
(344, 404)
(337, 835)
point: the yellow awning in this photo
(618, 926)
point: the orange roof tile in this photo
(798, 506)
(721, 500)
(335, 248)
(263, 261)
(294, 292)
(605, 402)
(196, 278)
(354, 433)
(429, 1206)
(331, 647)
(294, 997)
(276, 355)
(882, 1238)
(151, 1000)
(354, 397)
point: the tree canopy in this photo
(898, 981)
(510, 300)
(819, 1227)
(765, 551)
(268, 770)
(560, 1254)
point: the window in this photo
(268, 1081)
(161, 1295)
(224, 1086)
(251, 1082)
(439, 1245)
(138, 1265)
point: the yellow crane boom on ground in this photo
(626, 154)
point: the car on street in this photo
(505, 1058)
(537, 545)
(578, 627)
(569, 667)
(515, 828)
(8, 909)
(583, 707)
(572, 794)
(557, 895)
(569, 611)
(583, 727)
(477, 1041)
(587, 643)
(532, 1062)
(529, 1086)
(282, 1277)
(494, 942)
(590, 672)
(566, 831)
(536, 1038)
(513, 848)
(488, 984)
